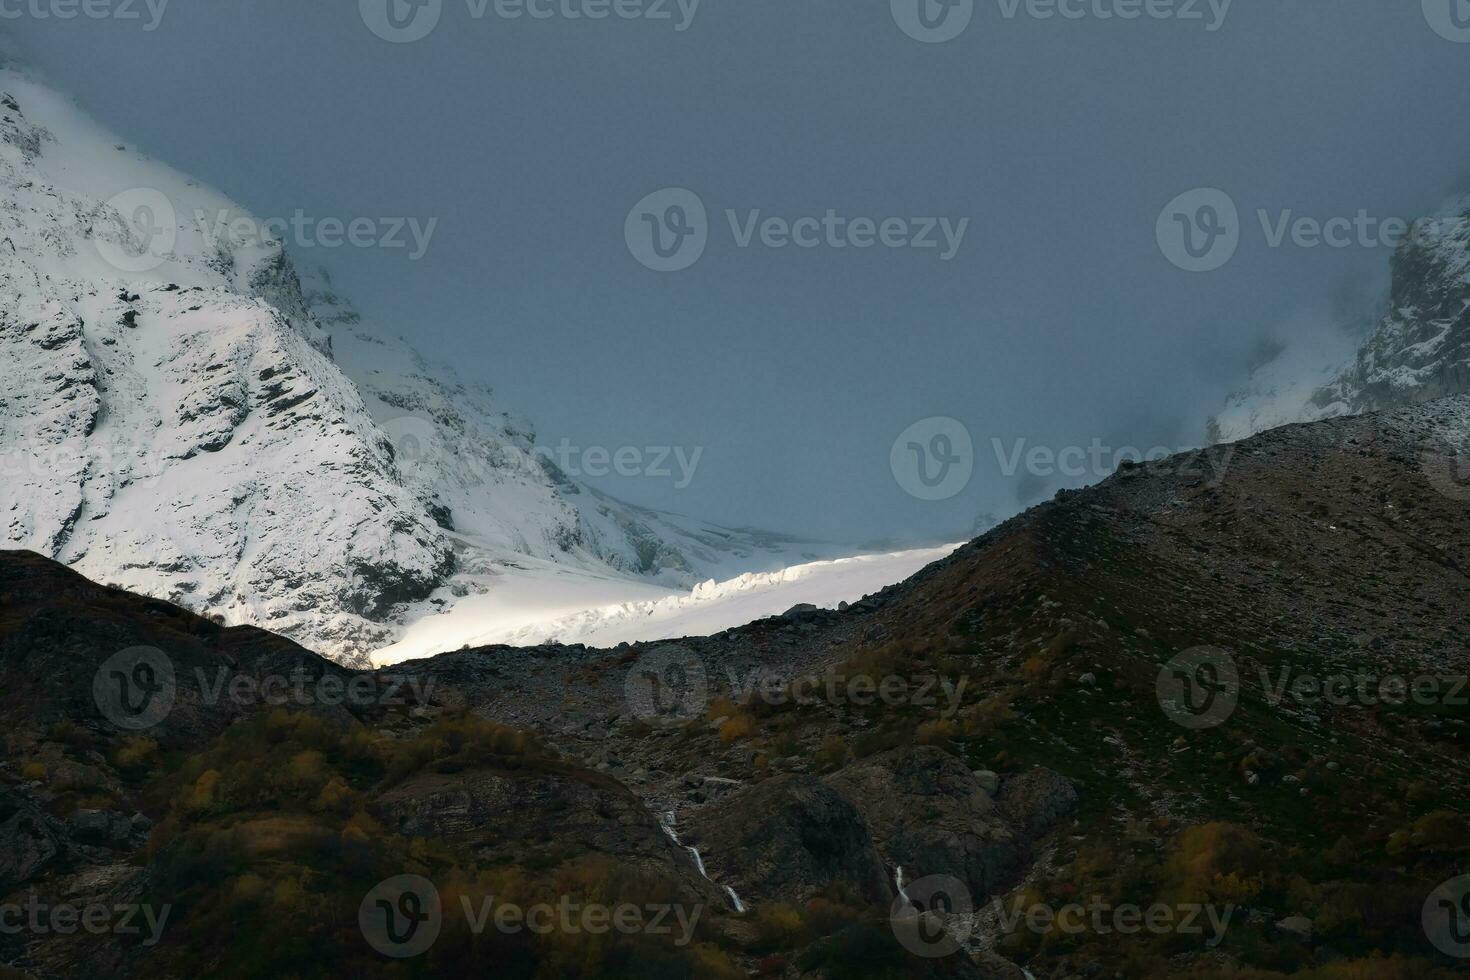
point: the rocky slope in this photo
(1419, 350)
(1027, 754)
(185, 420)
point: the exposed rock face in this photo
(788, 839)
(107, 828)
(62, 630)
(511, 815)
(1324, 544)
(30, 840)
(1419, 351)
(930, 816)
(1034, 802)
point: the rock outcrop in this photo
(789, 839)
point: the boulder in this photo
(789, 839)
(1299, 927)
(30, 839)
(108, 828)
(1034, 802)
(931, 816)
(989, 780)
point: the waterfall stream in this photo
(898, 884)
(668, 825)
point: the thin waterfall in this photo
(668, 826)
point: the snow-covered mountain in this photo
(185, 420)
(1418, 351)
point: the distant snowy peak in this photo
(184, 419)
(1418, 351)
(175, 424)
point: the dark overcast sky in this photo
(1058, 321)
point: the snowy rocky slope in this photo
(180, 422)
(1418, 351)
